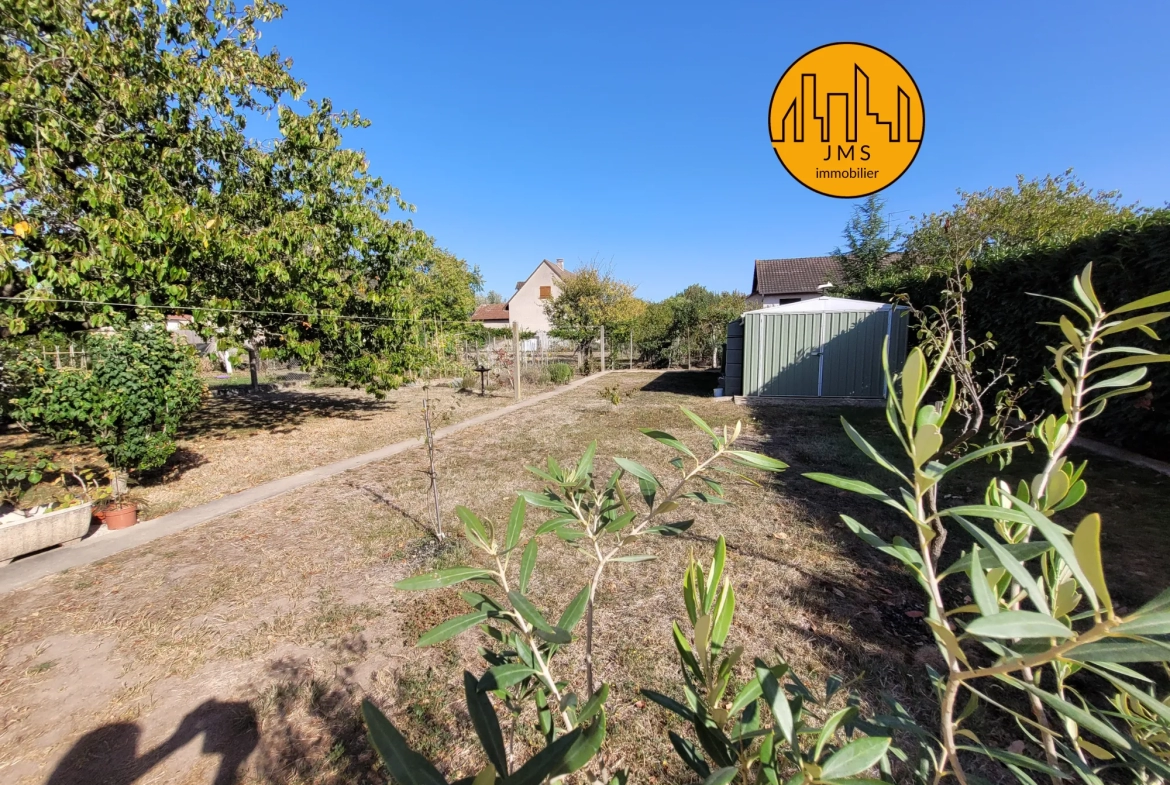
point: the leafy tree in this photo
(653, 331)
(129, 177)
(689, 308)
(1051, 209)
(868, 243)
(947, 247)
(442, 296)
(589, 300)
(301, 231)
(693, 318)
(724, 308)
(491, 298)
(700, 318)
(444, 287)
(128, 403)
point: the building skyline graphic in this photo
(805, 112)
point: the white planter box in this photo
(44, 531)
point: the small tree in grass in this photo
(129, 403)
(588, 301)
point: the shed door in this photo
(851, 354)
(783, 353)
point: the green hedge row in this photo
(1130, 261)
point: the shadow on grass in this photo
(109, 755)
(699, 384)
(277, 411)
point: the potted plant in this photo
(116, 510)
(24, 530)
(128, 402)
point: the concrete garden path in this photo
(106, 543)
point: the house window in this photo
(546, 292)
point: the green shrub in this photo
(19, 473)
(560, 373)
(1128, 260)
(129, 403)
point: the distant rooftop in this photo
(491, 312)
(801, 275)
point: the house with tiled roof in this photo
(780, 281)
(526, 305)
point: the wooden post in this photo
(516, 356)
(631, 348)
(603, 348)
(431, 454)
(57, 353)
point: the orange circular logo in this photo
(846, 120)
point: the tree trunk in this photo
(254, 365)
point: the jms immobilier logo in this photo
(846, 120)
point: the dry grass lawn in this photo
(236, 441)
(239, 650)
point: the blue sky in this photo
(636, 133)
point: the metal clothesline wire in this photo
(235, 310)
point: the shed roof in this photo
(825, 305)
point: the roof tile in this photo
(491, 312)
(795, 276)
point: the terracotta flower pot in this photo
(118, 516)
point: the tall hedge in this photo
(1130, 261)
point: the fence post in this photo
(631, 349)
(603, 348)
(516, 356)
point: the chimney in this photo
(561, 263)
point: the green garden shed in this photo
(826, 347)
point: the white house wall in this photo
(777, 299)
(526, 308)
